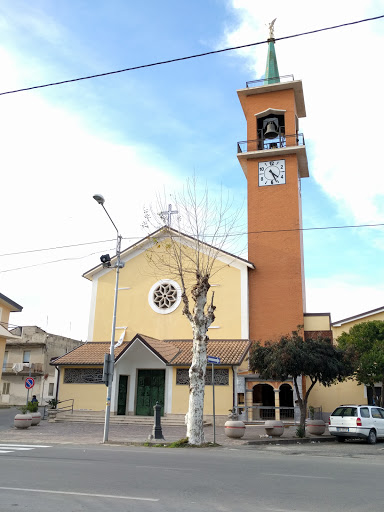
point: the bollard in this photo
(157, 432)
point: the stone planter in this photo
(36, 417)
(315, 427)
(22, 420)
(52, 415)
(234, 428)
(274, 428)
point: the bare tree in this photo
(190, 253)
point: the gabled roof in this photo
(230, 352)
(171, 352)
(91, 353)
(162, 232)
(358, 317)
(14, 307)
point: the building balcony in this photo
(260, 144)
(10, 331)
(277, 148)
(18, 369)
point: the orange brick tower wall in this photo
(276, 286)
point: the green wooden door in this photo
(122, 395)
(150, 389)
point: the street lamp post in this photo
(100, 199)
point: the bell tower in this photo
(274, 160)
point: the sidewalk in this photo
(90, 433)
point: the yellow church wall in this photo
(317, 322)
(344, 392)
(345, 327)
(86, 396)
(348, 392)
(223, 397)
(134, 311)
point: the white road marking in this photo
(25, 445)
(78, 494)
(164, 467)
(19, 447)
(282, 510)
(298, 476)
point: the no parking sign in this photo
(29, 383)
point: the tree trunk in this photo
(303, 412)
(195, 429)
(200, 323)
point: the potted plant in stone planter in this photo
(33, 408)
(52, 409)
(24, 419)
(314, 427)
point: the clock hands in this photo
(274, 175)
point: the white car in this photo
(357, 421)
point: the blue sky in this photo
(131, 135)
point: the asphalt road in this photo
(302, 478)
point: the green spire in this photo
(271, 70)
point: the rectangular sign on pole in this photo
(213, 360)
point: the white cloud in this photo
(52, 164)
(342, 78)
(343, 296)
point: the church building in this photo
(261, 298)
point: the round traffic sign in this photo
(29, 382)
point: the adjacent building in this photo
(28, 352)
(7, 306)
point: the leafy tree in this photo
(365, 345)
(292, 357)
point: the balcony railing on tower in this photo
(262, 143)
(267, 81)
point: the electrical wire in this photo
(48, 263)
(140, 238)
(169, 61)
(217, 236)
(57, 247)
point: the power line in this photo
(57, 247)
(140, 238)
(170, 61)
(47, 263)
(314, 229)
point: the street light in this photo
(111, 363)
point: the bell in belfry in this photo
(271, 130)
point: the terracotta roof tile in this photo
(173, 352)
(167, 351)
(89, 353)
(229, 351)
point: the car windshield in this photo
(345, 411)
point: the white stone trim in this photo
(92, 309)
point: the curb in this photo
(297, 440)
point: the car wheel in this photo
(340, 439)
(372, 437)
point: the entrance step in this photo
(98, 417)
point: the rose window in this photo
(164, 296)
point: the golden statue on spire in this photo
(271, 29)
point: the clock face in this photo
(271, 172)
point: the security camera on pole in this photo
(109, 361)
